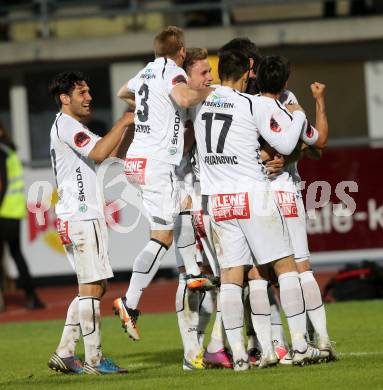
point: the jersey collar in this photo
(161, 60)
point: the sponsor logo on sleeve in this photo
(135, 170)
(231, 206)
(287, 204)
(81, 139)
(179, 79)
(274, 125)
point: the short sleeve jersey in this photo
(159, 129)
(227, 128)
(80, 197)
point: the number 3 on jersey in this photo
(143, 113)
(208, 117)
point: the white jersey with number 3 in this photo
(158, 119)
(227, 127)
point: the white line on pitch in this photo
(360, 353)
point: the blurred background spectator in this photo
(12, 211)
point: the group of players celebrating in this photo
(216, 167)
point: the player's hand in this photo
(317, 90)
(294, 107)
(275, 166)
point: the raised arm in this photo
(104, 147)
(321, 123)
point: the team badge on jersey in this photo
(230, 206)
(309, 131)
(198, 223)
(287, 204)
(81, 139)
(135, 170)
(274, 125)
(179, 79)
(62, 230)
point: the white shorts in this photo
(298, 232)
(86, 246)
(292, 208)
(162, 194)
(242, 230)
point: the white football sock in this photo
(187, 304)
(252, 341)
(232, 316)
(184, 240)
(207, 306)
(71, 332)
(217, 339)
(314, 305)
(145, 268)
(260, 313)
(294, 307)
(89, 314)
(277, 332)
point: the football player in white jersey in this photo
(188, 301)
(161, 93)
(273, 166)
(194, 308)
(272, 77)
(246, 219)
(81, 223)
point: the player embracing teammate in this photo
(247, 222)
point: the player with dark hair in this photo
(249, 48)
(272, 76)
(234, 178)
(81, 222)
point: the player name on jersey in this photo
(214, 160)
(142, 129)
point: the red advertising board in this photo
(346, 170)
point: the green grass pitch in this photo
(155, 362)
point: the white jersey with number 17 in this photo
(159, 121)
(227, 127)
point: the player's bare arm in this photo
(186, 96)
(105, 145)
(128, 97)
(120, 150)
(189, 137)
(321, 123)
